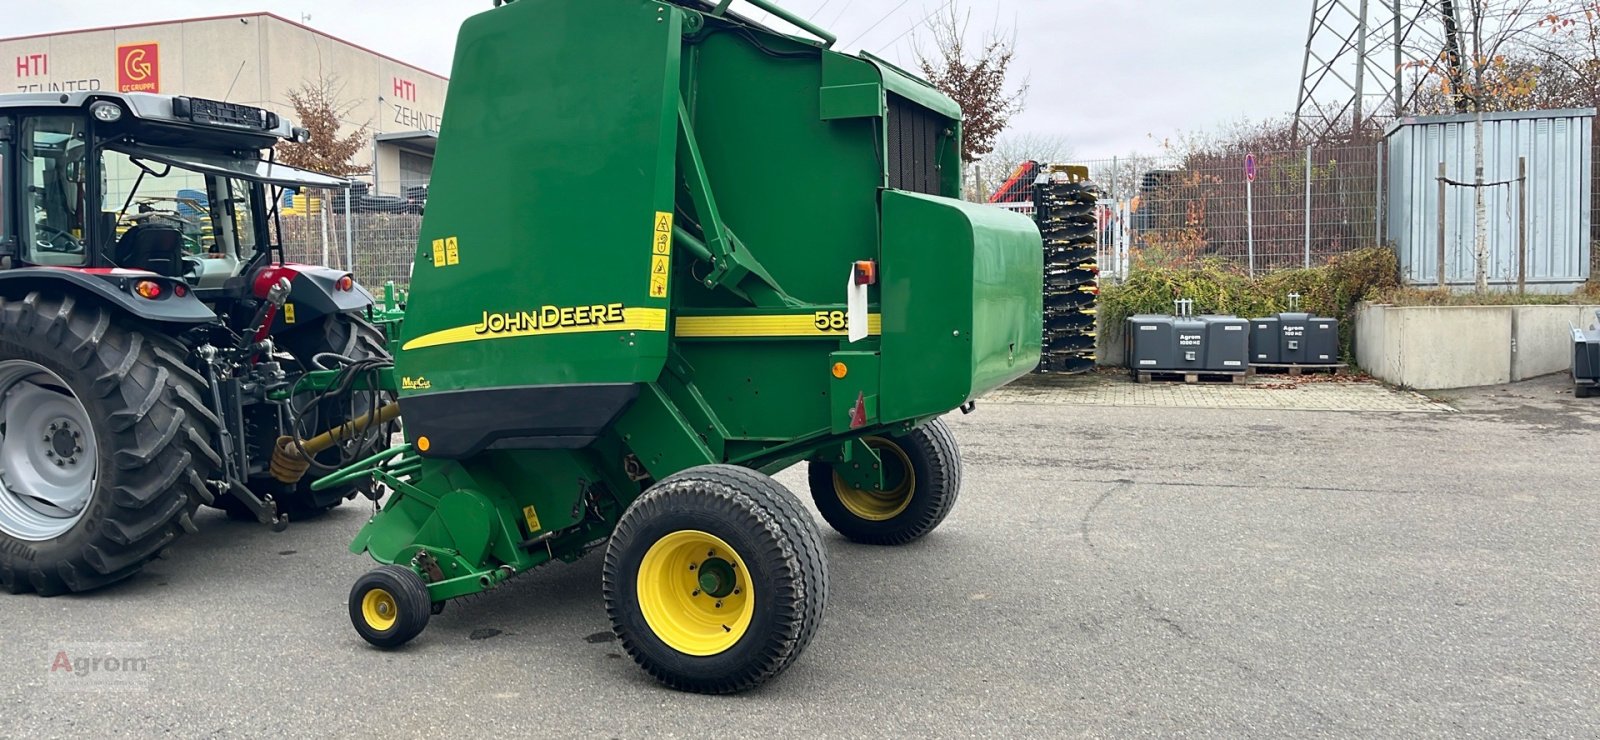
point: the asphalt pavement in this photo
(1109, 572)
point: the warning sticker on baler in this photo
(660, 254)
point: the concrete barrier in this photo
(1432, 347)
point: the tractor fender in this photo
(313, 292)
(175, 304)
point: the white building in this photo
(255, 59)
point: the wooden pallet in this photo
(1147, 376)
(1334, 368)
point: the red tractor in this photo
(153, 340)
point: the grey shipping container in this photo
(1557, 147)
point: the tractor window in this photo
(211, 212)
(50, 156)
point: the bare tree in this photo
(1010, 150)
(975, 76)
(1471, 65)
(319, 107)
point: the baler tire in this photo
(1583, 391)
(151, 432)
(935, 468)
(389, 606)
(774, 553)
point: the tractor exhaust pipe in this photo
(291, 460)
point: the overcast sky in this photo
(1110, 76)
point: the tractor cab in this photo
(174, 186)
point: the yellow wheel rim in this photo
(694, 591)
(881, 506)
(379, 609)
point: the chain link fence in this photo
(373, 235)
(1300, 208)
(1303, 207)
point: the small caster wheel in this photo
(389, 606)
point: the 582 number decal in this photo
(831, 321)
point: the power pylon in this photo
(1355, 61)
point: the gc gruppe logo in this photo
(139, 68)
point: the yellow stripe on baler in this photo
(775, 325)
(635, 319)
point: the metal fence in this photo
(375, 236)
(1302, 207)
(1299, 207)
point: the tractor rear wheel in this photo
(105, 445)
(922, 477)
(715, 579)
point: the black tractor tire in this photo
(769, 596)
(923, 474)
(390, 605)
(343, 334)
(154, 441)
(1583, 391)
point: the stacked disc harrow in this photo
(1064, 206)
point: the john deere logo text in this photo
(139, 68)
(550, 317)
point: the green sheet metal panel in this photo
(799, 190)
(962, 303)
(545, 240)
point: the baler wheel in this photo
(389, 606)
(922, 477)
(1583, 391)
(715, 579)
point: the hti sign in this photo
(33, 65)
(405, 89)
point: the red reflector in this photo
(347, 283)
(180, 290)
(148, 289)
(866, 272)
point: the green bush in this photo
(1332, 290)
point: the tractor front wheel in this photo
(922, 476)
(389, 606)
(715, 579)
